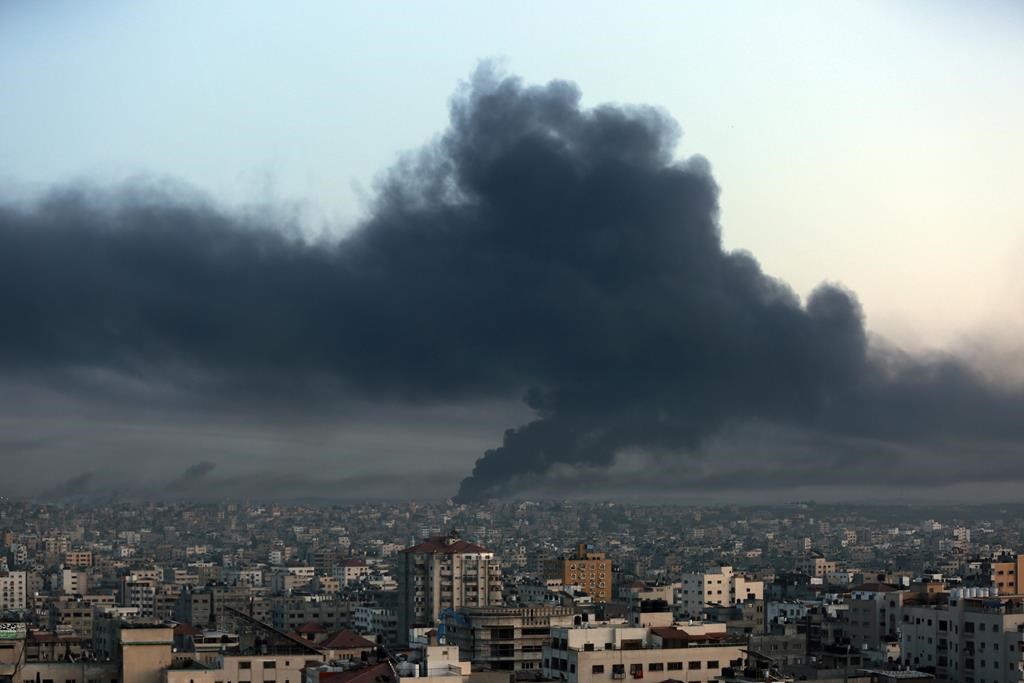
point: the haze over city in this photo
(703, 253)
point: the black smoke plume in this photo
(537, 248)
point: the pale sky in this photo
(877, 144)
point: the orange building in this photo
(588, 569)
(1006, 575)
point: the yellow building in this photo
(588, 569)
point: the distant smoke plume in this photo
(190, 477)
(538, 248)
(74, 487)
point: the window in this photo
(245, 665)
(692, 666)
(675, 666)
(655, 666)
(712, 663)
(269, 665)
(597, 669)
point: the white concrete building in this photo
(717, 586)
(612, 652)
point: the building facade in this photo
(444, 572)
(587, 568)
(503, 638)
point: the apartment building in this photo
(444, 572)
(329, 611)
(351, 571)
(817, 566)
(74, 582)
(965, 638)
(612, 652)
(873, 616)
(76, 613)
(503, 638)
(78, 558)
(379, 622)
(285, 580)
(717, 586)
(13, 591)
(587, 568)
(1005, 574)
(138, 590)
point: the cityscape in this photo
(442, 341)
(525, 591)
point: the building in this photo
(289, 613)
(444, 572)
(138, 589)
(351, 571)
(717, 586)
(965, 635)
(873, 616)
(74, 582)
(379, 622)
(817, 566)
(1005, 575)
(76, 613)
(78, 558)
(13, 591)
(588, 569)
(613, 652)
(285, 580)
(502, 638)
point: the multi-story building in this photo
(378, 622)
(873, 616)
(964, 638)
(285, 580)
(1006, 574)
(588, 569)
(817, 566)
(503, 638)
(351, 571)
(444, 572)
(76, 613)
(78, 558)
(13, 591)
(74, 582)
(329, 611)
(138, 590)
(612, 652)
(717, 586)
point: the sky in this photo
(876, 146)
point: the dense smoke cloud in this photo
(537, 248)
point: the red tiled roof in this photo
(311, 627)
(346, 639)
(378, 673)
(441, 544)
(353, 563)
